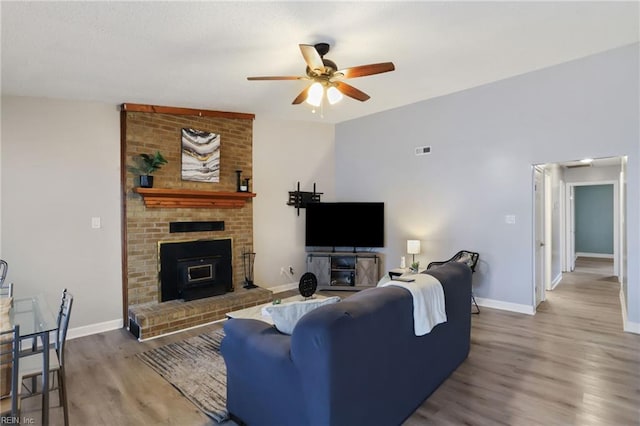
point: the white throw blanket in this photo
(428, 301)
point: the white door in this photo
(622, 227)
(548, 232)
(570, 252)
(539, 234)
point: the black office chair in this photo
(465, 256)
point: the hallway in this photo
(594, 265)
(569, 364)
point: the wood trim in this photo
(185, 111)
(186, 198)
(123, 217)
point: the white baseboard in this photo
(596, 255)
(632, 327)
(627, 326)
(283, 287)
(556, 281)
(505, 306)
(623, 306)
(87, 330)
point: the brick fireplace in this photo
(147, 129)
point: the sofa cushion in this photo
(286, 316)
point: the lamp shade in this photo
(413, 246)
(314, 96)
(333, 95)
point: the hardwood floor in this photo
(594, 265)
(570, 364)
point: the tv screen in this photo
(344, 224)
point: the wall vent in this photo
(423, 150)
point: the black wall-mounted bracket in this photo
(300, 199)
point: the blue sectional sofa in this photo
(356, 362)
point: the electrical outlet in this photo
(282, 271)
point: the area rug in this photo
(195, 367)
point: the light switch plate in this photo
(96, 223)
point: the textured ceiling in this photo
(198, 54)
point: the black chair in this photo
(465, 256)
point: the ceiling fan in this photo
(326, 76)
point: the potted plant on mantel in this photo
(146, 166)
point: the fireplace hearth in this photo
(191, 270)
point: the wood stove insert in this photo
(192, 270)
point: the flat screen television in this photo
(346, 224)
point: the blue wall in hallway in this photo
(594, 219)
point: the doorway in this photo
(593, 222)
(554, 221)
(539, 240)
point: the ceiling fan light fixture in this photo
(315, 93)
(324, 75)
(333, 95)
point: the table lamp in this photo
(413, 248)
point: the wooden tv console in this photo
(344, 271)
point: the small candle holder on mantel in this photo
(238, 180)
(245, 185)
(242, 185)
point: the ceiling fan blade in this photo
(351, 91)
(277, 78)
(312, 58)
(301, 97)
(364, 70)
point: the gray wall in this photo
(594, 219)
(592, 174)
(60, 167)
(285, 153)
(484, 142)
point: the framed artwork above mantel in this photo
(200, 156)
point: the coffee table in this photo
(255, 312)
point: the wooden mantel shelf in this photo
(188, 198)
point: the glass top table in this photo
(36, 320)
(34, 316)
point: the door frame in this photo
(541, 265)
(570, 257)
